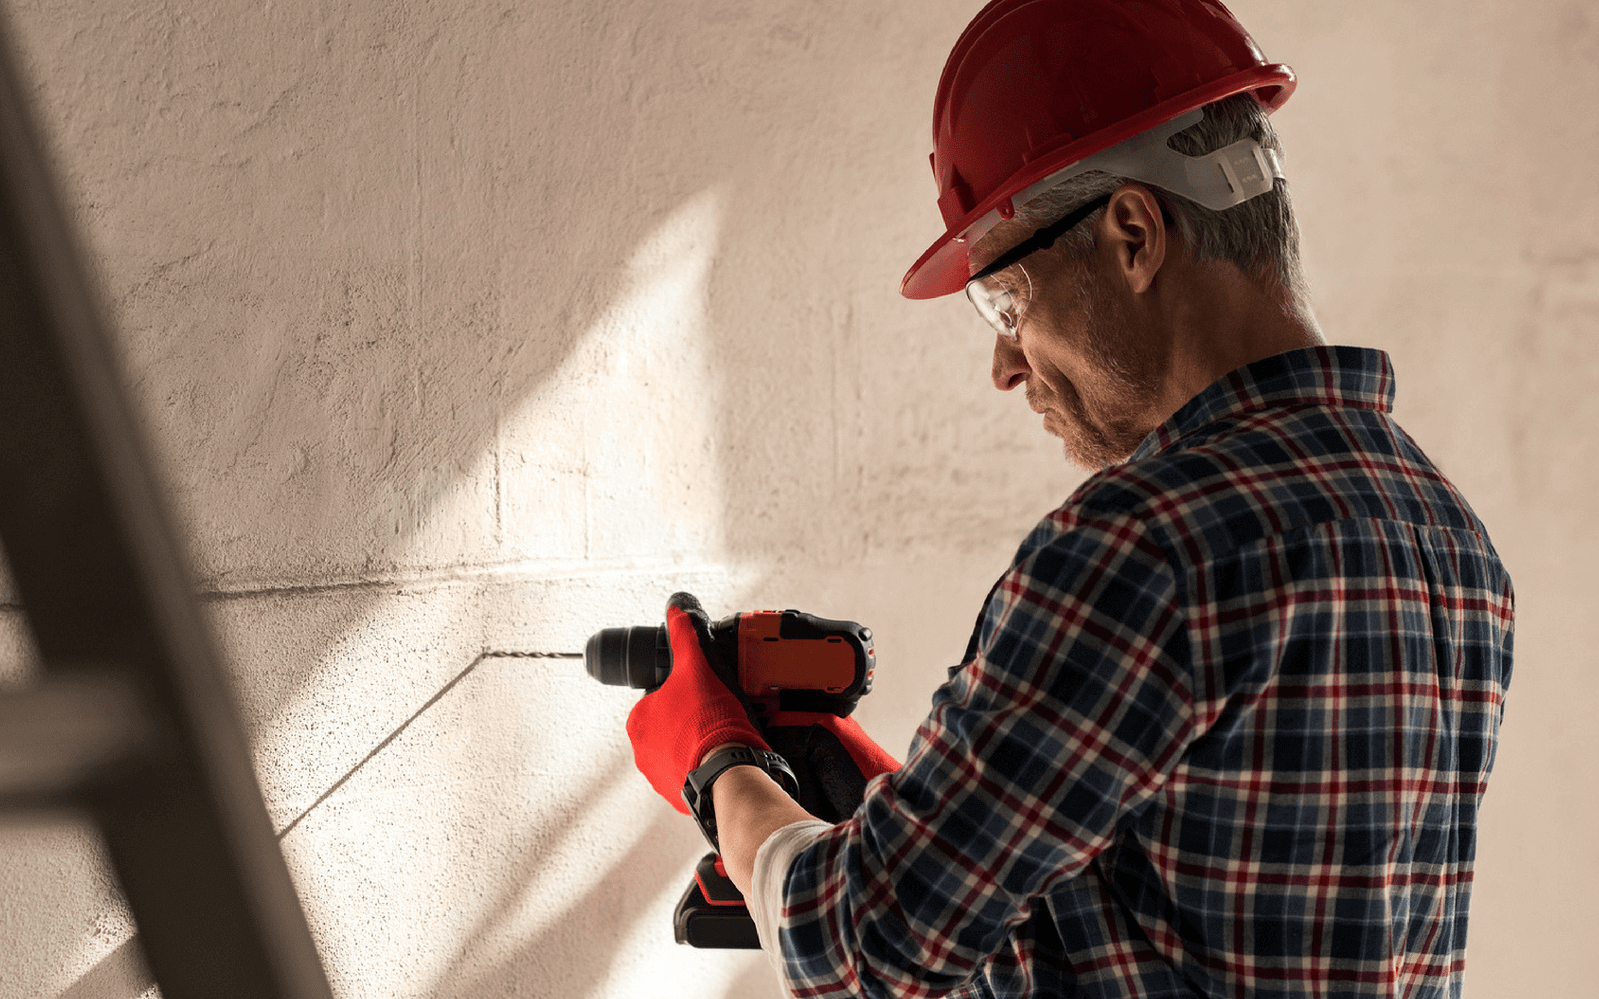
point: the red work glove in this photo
(675, 725)
(833, 758)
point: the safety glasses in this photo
(1001, 298)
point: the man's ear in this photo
(1135, 232)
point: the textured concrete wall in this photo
(469, 328)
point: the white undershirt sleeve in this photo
(772, 862)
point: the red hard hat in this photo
(1034, 86)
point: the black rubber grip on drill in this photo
(830, 784)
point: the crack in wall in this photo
(438, 696)
(124, 970)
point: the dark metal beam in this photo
(102, 577)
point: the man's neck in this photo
(1220, 320)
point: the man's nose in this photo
(1010, 364)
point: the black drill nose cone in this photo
(629, 657)
(605, 656)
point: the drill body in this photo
(778, 661)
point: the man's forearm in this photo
(749, 807)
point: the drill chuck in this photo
(637, 657)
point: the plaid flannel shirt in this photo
(1222, 731)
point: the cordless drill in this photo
(779, 661)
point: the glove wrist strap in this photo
(697, 789)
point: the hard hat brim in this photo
(943, 269)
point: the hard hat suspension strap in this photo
(1217, 180)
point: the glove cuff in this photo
(722, 731)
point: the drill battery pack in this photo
(712, 913)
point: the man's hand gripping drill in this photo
(765, 680)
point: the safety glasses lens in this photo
(1000, 298)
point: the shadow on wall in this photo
(565, 907)
(386, 279)
(121, 974)
(406, 219)
(403, 229)
(566, 958)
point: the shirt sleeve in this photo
(772, 862)
(1075, 708)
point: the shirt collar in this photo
(1356, 377)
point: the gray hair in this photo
(1260, 235)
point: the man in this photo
(1224, 725)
